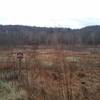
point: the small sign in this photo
(20, 55)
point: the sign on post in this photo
(20, 55)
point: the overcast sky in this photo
(50, 13)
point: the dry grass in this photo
(49, 74)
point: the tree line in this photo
(11, 35)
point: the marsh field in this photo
(47, 73)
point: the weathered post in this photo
(19, 57)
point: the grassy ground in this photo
(9, 92)
(53, 75)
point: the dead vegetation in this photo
(50, 74)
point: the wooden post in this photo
(19, 57)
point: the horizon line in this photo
(47, 26)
